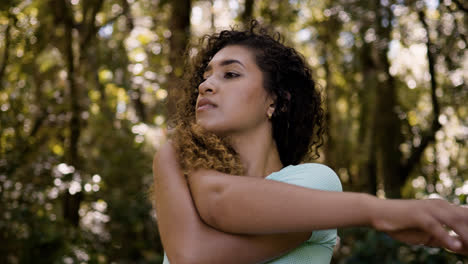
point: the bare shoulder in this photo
(165, 155)
(166, 150)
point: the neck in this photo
(258, 152)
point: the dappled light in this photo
(88, 89)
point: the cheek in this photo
(249, 93)
(256, 99)
(248, 104)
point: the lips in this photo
(204, 104)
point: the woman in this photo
(228, 187)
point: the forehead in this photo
(233, 52)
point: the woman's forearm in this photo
(252, 205)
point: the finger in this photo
(463, 250)
(435, 243)
(418, 237)
(411, 236)
(442, 236)
(456, 218)
(439, 244)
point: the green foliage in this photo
(369, 246)
(83, 88)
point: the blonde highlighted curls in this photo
(200, 149)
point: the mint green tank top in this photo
(318, 249)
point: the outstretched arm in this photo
(273, 207)
(186, 239)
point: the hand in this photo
(417, 237)
(423, 222)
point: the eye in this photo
(229, 75)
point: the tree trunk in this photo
(388, 139)
(367, 168)
(135, 92)
(6, 48)
(387, 121)
(180, 34)
(63, 14)
(330, 114)
(247, 15)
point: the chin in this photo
(212, 127)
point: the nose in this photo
(207, 87)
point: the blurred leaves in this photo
(117, 56)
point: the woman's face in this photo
(232, 98)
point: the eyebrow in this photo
(225, 63)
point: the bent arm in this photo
(186, 239)
(273, 207)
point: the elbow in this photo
(213, 210)
(189, 253)
(208, 193)
(219, 212)
(183, 259)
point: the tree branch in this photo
(460, 6)
(429, 136)
(6, 48)
(91, 28)
(248, 12)
(127, 13)
(111, 20)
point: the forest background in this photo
(84, 88)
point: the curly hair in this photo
(298, 119)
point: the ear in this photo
(271, 106)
